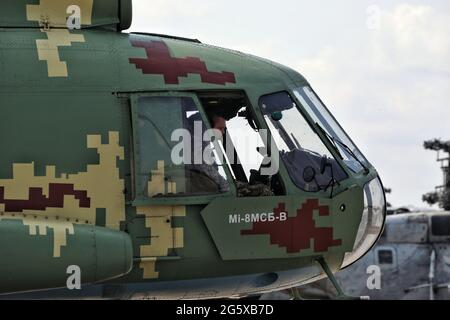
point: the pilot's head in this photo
(219, 123)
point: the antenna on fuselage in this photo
(442, 194)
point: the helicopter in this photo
(442, 195)
(100, 198)
(411, 260)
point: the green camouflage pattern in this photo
(67, 144)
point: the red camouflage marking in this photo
(37, 201)
(159, 61)
(296, 233)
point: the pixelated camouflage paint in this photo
(159, 61)
(297, 233)
(313, 226)
(54, 13)
(97, 68)
(158, 219)
(59, 197)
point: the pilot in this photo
(211, 171)
(254, 189)
(219, 123)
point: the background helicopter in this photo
(412, 256)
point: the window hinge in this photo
(45, 22)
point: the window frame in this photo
(260, 123)
(440, 226)
(380, 249)
(337, 123)
(142, 200)
(310, 123)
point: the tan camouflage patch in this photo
(163, 236)
(48, 50)
(60, 230)
(159, 221)
(149, 267)
(54, 13)
(38, 227)
(158, 184)
(101, 182)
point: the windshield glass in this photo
(352, 157)
(308, 161)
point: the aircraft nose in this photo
(372, 221)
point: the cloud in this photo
(159, 10)
(388, 86)
(391, 93)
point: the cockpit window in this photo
(174, 157)
(243, 144)
(440, 225)
(310, 164)
(352, 157)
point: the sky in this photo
(382, 67)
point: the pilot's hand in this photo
(257, 190)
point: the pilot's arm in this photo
(212, 171)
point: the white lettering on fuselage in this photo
(256, 217)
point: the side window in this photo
(243, 143)
(172, 152)
(440, 225)
(246, 142)
(385, 257)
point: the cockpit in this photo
(200, 145)
(310, 165)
